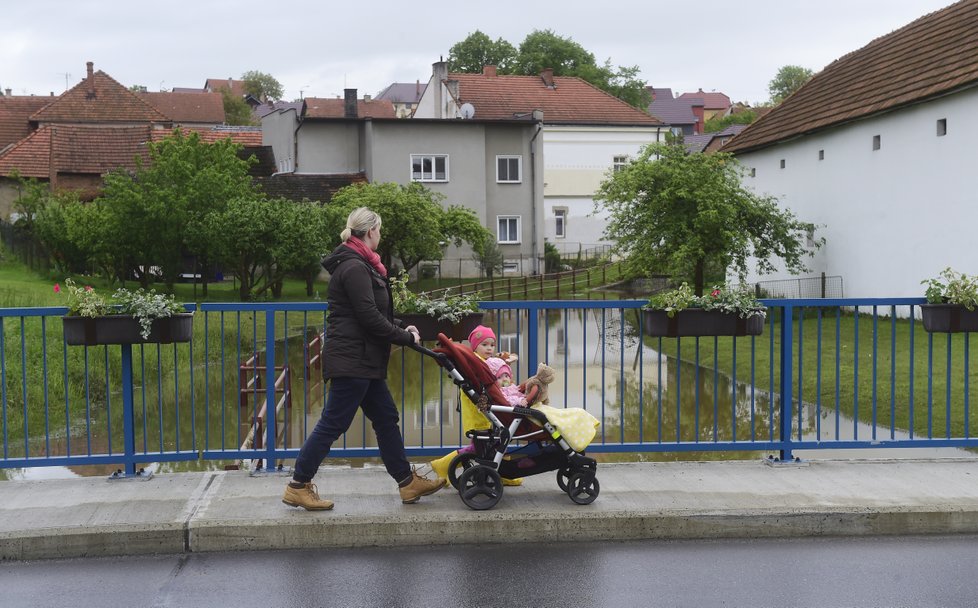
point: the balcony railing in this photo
(825, 374)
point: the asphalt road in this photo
(881, 571)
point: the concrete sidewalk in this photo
(232, 511)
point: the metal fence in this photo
(808, 287)
(825, 373)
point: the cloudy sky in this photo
(320, 48)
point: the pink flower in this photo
(57, 288)
(715, 293)
(88, 288)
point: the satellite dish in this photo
(467, 110)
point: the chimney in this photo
(366, 97)
(349, 103)
(90, 79)
(439, 73)
(7, 92)
(489, 70)
(547, 75)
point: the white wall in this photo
(894, 216)
(576, 160)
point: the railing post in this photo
(270, 388)
(128, 430)
(787, 338)
(532, 328)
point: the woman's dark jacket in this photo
(361, 325)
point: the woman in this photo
(359, 332)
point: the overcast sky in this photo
(320, 48)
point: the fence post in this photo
(270, 420)
(509, 287)
(526, 291)
(823, 284)
(533, 331)
(128, 423)
(787, 338)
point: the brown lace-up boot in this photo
(417, 486)
(306, 497)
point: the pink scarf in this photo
(366, 253)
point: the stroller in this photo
(478, 475)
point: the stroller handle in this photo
(441, 358)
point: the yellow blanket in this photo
(575, 424)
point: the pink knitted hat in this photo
(479, 335)
(499, 367)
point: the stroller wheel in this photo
(563, 478)
(457, 466)
(583, 488)
(480, 487)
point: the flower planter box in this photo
(429, 327)
(124, 329)
(948, 318)
(699, 322)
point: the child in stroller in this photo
(480, 482)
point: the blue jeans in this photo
(345, 396)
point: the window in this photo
(782, 163)
(508, 169)
(429, 167)
(942, 127)
(620, 162)
(821, 155)
(876, 142)
(508, 228)
(753, 172)
(560, 223)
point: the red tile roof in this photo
(87, 149)
(188, 107)
(111, 102)
(249, 137)
(216, 84)
(318, 107)
(711, 101)
(571, 101)
(931, 56)
(15, 112)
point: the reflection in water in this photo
(640, 395)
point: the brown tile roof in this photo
(112, 102)
(711, 100)
(318, 107)
(931, 56)
(216, 84)
(309, 187)
(15, 112)
(188, 107)
(572, 101)
(91, 149)
(249, 137)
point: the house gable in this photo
(98, 98)
(932, 56)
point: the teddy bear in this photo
(535, 387)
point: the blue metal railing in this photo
(825, 373)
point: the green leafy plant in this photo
(450, 307)
(144, 306)
(952, 288)
(737, 300)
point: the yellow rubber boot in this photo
(516, 481)
(440, 466)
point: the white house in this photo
(879, 150)
(585, 133)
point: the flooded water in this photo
(602, 365)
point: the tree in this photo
(153, 214)
(543, 49)
(236, 109)
(719, 123)
(261, 86)
(415, 225)
(488, 256)
(678, 213)
(478, 50)
(788, 80)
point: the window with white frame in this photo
(560, 222)
(508, 228)
(429, 167)
(619, 162)
(509, 169)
